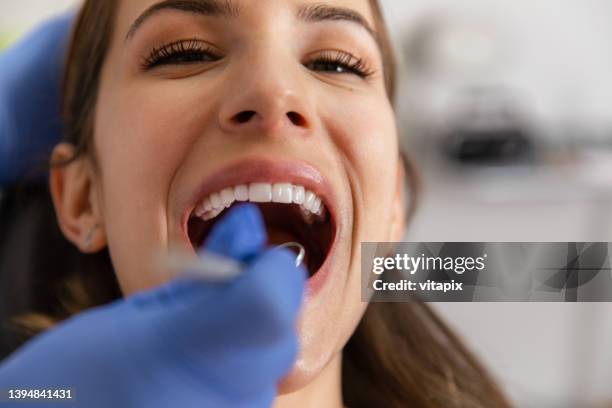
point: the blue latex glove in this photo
(30, 120)
(187, 344)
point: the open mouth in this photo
(291, 213)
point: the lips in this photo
(295, 200)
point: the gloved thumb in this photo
(240, 235)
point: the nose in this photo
(266, 103)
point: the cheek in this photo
(369, 142)
(140, 142)
(364, 134)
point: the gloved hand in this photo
(187, 344)
(30, 120)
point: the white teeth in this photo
(227, 197)
(215, 199)
(207, 205)
(200, 210)
(299, 194)
(241, 193)
(316, 206)
(311, 205)
(260, 193)
(309, 200)
(282, 193)
(203, 208)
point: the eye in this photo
(340, 62)
(181, 52)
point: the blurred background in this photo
(506, 107)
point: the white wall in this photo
(17, 16)
(559, 51)
(545, 355)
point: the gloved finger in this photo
(256, 329)
(240, 235)
(262, 303)
(243, 337)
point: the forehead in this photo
(130, 10)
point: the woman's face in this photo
(200, 96)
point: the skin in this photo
(160, 133)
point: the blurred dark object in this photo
(487, 128)
(27, 223)
(488, 146)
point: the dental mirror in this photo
(216, 268)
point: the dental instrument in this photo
(215, 268)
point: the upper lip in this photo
(262, 170)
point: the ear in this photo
(76, 202)
(399, 210)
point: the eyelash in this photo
(193, 50)
(347, 63)
(180, 52)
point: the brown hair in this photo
(401, 354)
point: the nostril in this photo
(297, 119)
(244, 116)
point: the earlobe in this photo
(398, 222)
(76, 204)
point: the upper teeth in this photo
(285, 193)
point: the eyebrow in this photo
(214, 8)
(317, 12)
